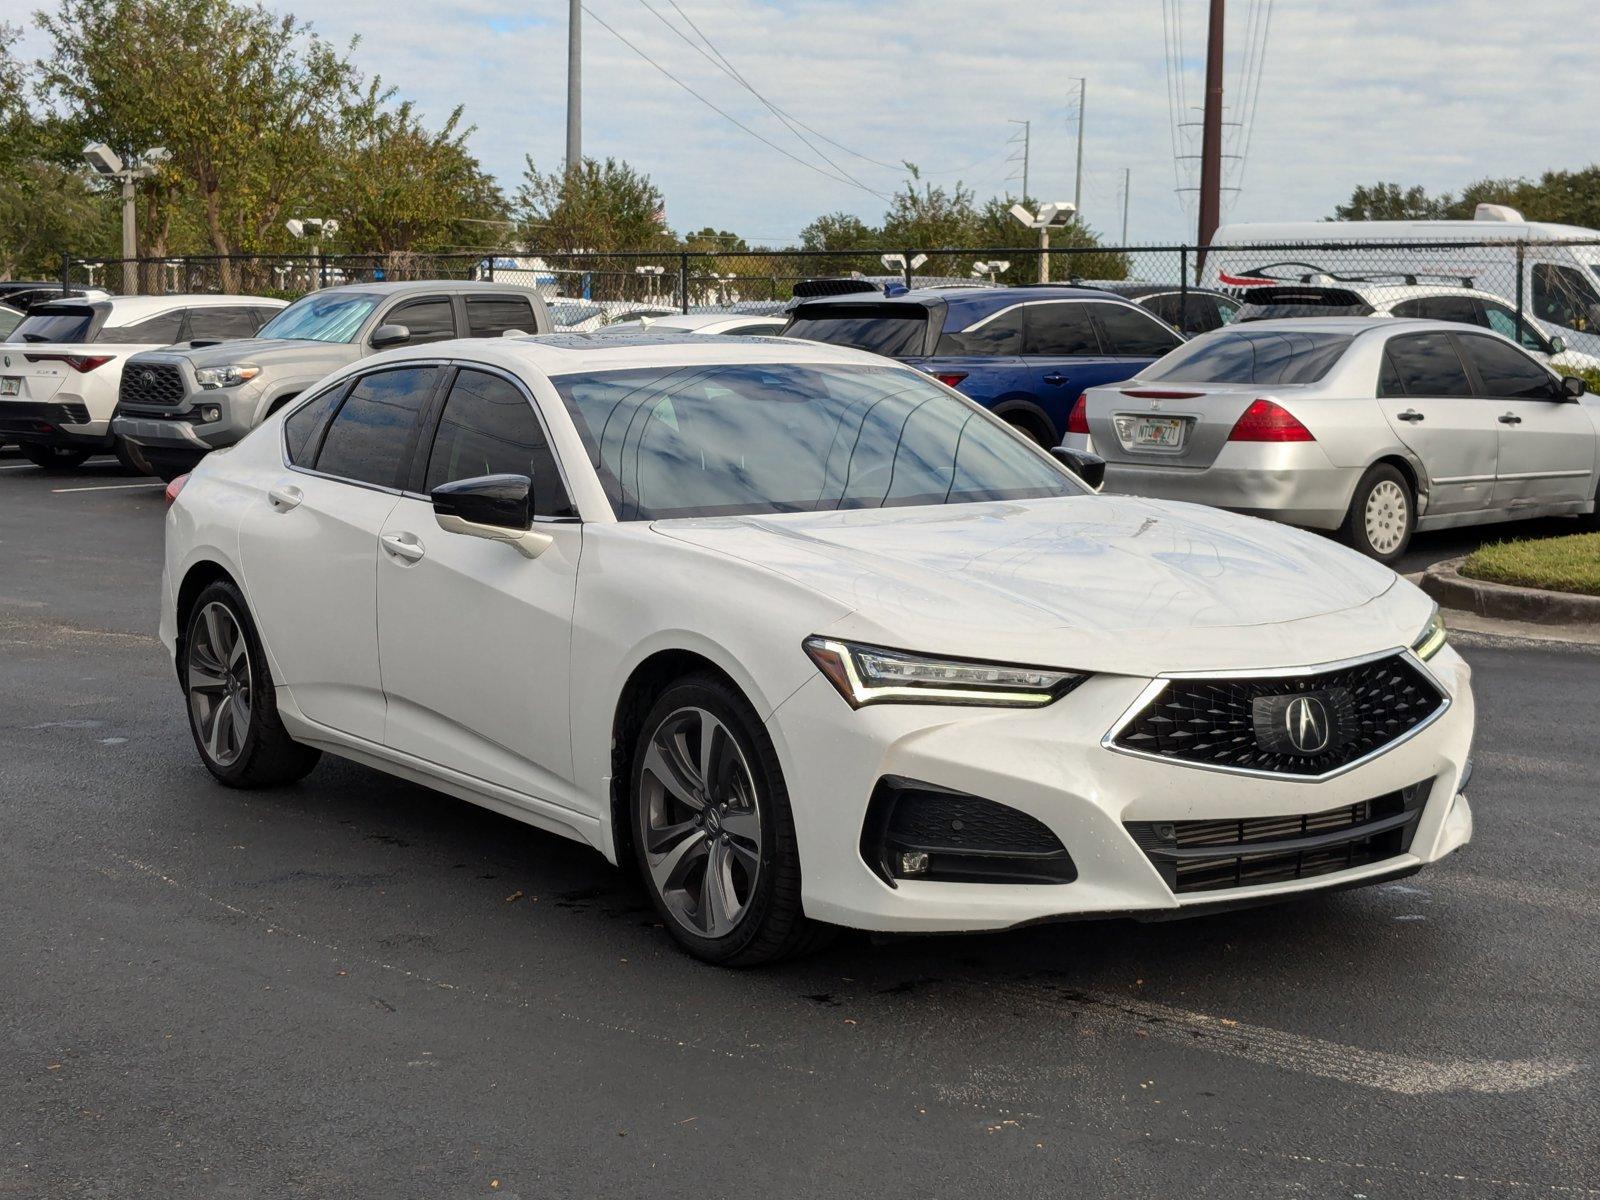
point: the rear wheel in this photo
(1028, 430)
(1383, 514)
(53, 458)
(130, 458)
(233, 708)
(712, 832)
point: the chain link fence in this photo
(1538, 290)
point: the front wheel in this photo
(53, 458)
(1383, 514)
(712, 831)
(233, 706)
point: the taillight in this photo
(175, 487)
(81, 363)
(1078, 418)
(950, 378)
(1265, 421)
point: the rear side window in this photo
(495, 316)
(896, 330)
(1462, 309)
(489, 428)
(1564, 296)
(1128, 331)
(302, 429)
(1507, 372)
(368, 436)
(160, 330)
(221, 324)
(1000, 335)
(1060, 330)
(1426, 364)
(55, 324)
(430, 320)
(1252, 356)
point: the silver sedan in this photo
(1373, 428)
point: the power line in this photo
(727, 116)
(732, 72)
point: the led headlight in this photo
(212, 378)
(876, 675)
(1432, 638)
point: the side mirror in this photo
(1558, 344)
(1572, 387)
(389, 335)
(1090, 468)
(496, 507)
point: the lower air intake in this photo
(922, 831)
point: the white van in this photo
(1560, 285)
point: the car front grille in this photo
(1345, 715)
(155, 384)
(1207, 856)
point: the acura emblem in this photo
(1307, 725)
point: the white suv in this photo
(61, 366)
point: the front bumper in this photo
(1292, 482)
(1050, 763)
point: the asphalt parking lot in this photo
(359, 987)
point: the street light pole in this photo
(130, 240)
(1077, 179)
(574, 85)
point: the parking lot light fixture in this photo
(1058, 213)
(108, 164)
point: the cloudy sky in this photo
(1437, 92)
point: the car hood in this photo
(1110, 583)
(279, 352)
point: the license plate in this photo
(10, 385)
(1163, 433)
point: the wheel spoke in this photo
(669, 870)
(719, 906)
(664, 761)
(202, 678)
(214, 633)
(214, 730)
(743, 823)
(236, 652)
(746, 852)
(713, 748)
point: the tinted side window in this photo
(368, 437)
(893, 330)
(1131, 333)
(1507, 372)
(1504, 322)
(302, 429)
(1059, 330)
(1461, 309)
(161, 330)
(1427, 365)
(1564, 296)
(430, 320)
(1389, 381)
(997, 336)
(489, 428)
(221, 324)
(494, 316)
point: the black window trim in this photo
(433, 413)
(347, 384)
(1108, 349)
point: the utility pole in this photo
(1077, 178)
(1026, 136)
(574, 85)
(1127, 186)
(1211, 135)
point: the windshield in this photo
(1243, 355)
(63, 325)
(772, 438)
(322, 317)
(895, 330)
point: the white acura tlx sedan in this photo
(807, 639)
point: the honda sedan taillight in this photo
(1078, 418)
(1265, 421)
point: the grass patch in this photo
(1559, 564)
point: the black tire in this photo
(770, 925)
(1027, 429)
(265, 756)
(53, 458)
(128, 455)
(1394, 518)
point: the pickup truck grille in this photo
(154, 384)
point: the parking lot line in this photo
(109, 487)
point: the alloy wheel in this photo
(700, 821)
(219, 684)
(1386, 516)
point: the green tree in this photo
(931, 217)
(597, 206)
(1563, 197)
(1390, 202)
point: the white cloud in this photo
(1437, 92)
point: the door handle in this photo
(403, 546)
(1411, 415)
(1055, 379)
(283, 498)
(1509, 419)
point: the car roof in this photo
(1352, 325)
(619, 350)
(134, 307)
(401, 287)
(1382, 294)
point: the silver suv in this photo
(175, 406)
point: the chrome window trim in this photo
(1156, 686)
(346, 380)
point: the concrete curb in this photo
(1445, 583)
